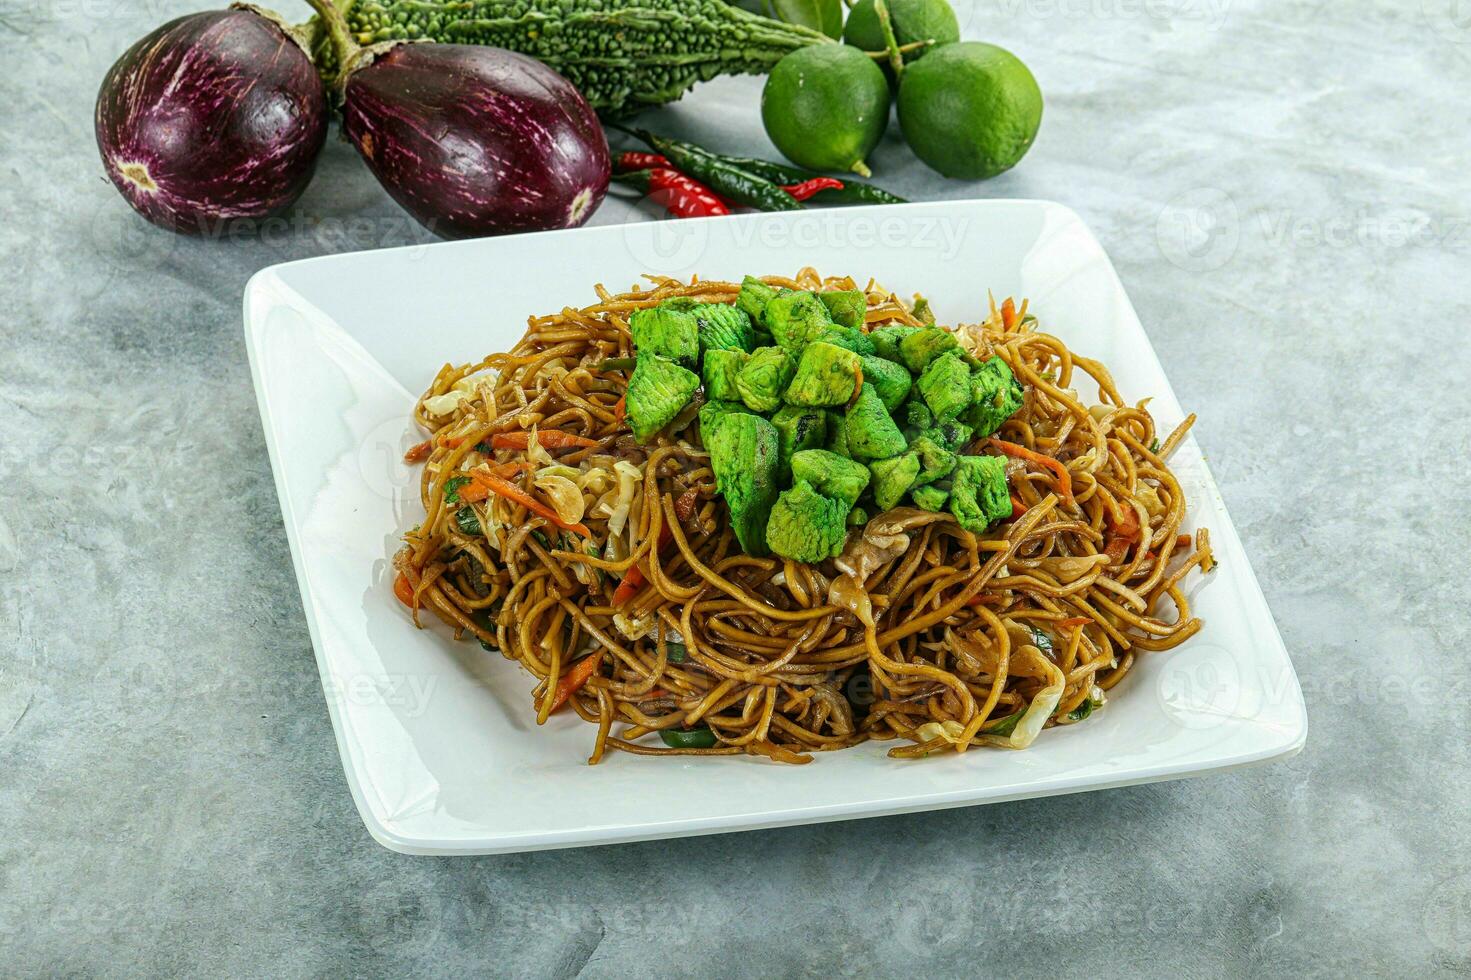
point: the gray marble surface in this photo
(1284, 189)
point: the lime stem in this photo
(886, 25)
(903, 49)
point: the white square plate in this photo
(437, 737)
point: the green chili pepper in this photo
(688, 738)
(615, 364)
(677, 653)
(852, 191)
(730, 182)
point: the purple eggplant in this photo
(212, 117)
(471, 140)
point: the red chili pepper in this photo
(807, 188)
(635, 160)
(683, 197)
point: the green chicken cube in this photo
(712, 412)
(799, 428)
(666, 332)
(720, 370)
(995, 396)
(753, 297)
(886, 341)
(916, 415)
(848, 338)
(893, 477)
(797, 318)
(825, 376)
(806, 526)
(929, 497)
(764, 378)
(831, 475)
(723, 327)
(935, 461)
(953, 435)
(744, 451)
(871, 432)
(847, 307)
(924, 345)
(657, 390)
(945, 387)
(837, 433)
(978, 494)
(890, 380)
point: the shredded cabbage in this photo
(629, 477)
(1041, 708)
(565, 497)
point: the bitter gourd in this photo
(620, 54)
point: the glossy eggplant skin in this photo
(476, 141)
(212, 117)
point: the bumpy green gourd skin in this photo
(619, 54)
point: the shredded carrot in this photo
(1017, 507)
(575, 678)
(1183, 541)
(1064, 479)
(1122, 533)
(496, 484)
(1008, 313)
(477, 492)
(404, 589)
(548, 438)
(620, 409)
(419, 453)
(633, 579)
(1068, 624)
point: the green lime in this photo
(913, 20)
(969, 110)
(825, 107)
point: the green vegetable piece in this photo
(677, 653)
(890, 380)
(666, 332)
(806, 526)
(847, 307)
(871, 432)
(929, 498)
(799, 428)
(764, 378)
(857, 517)
(935, 461)
(924, 345)
(837, 434)
(945, 387)
(922, 311)
(978, 494)
(995, 396)
(467, 521)
(831, 475)
(886, 341)
(712, 412)
(893, 477)
(657, 390)
(744, 451)
(452, 488)
(753, 297)
(723, 327)
(797, 318)
(825, 376)
(720, 369)
(700, 737)
(848, 338)
(953, 435)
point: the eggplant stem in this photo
(343, 45)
